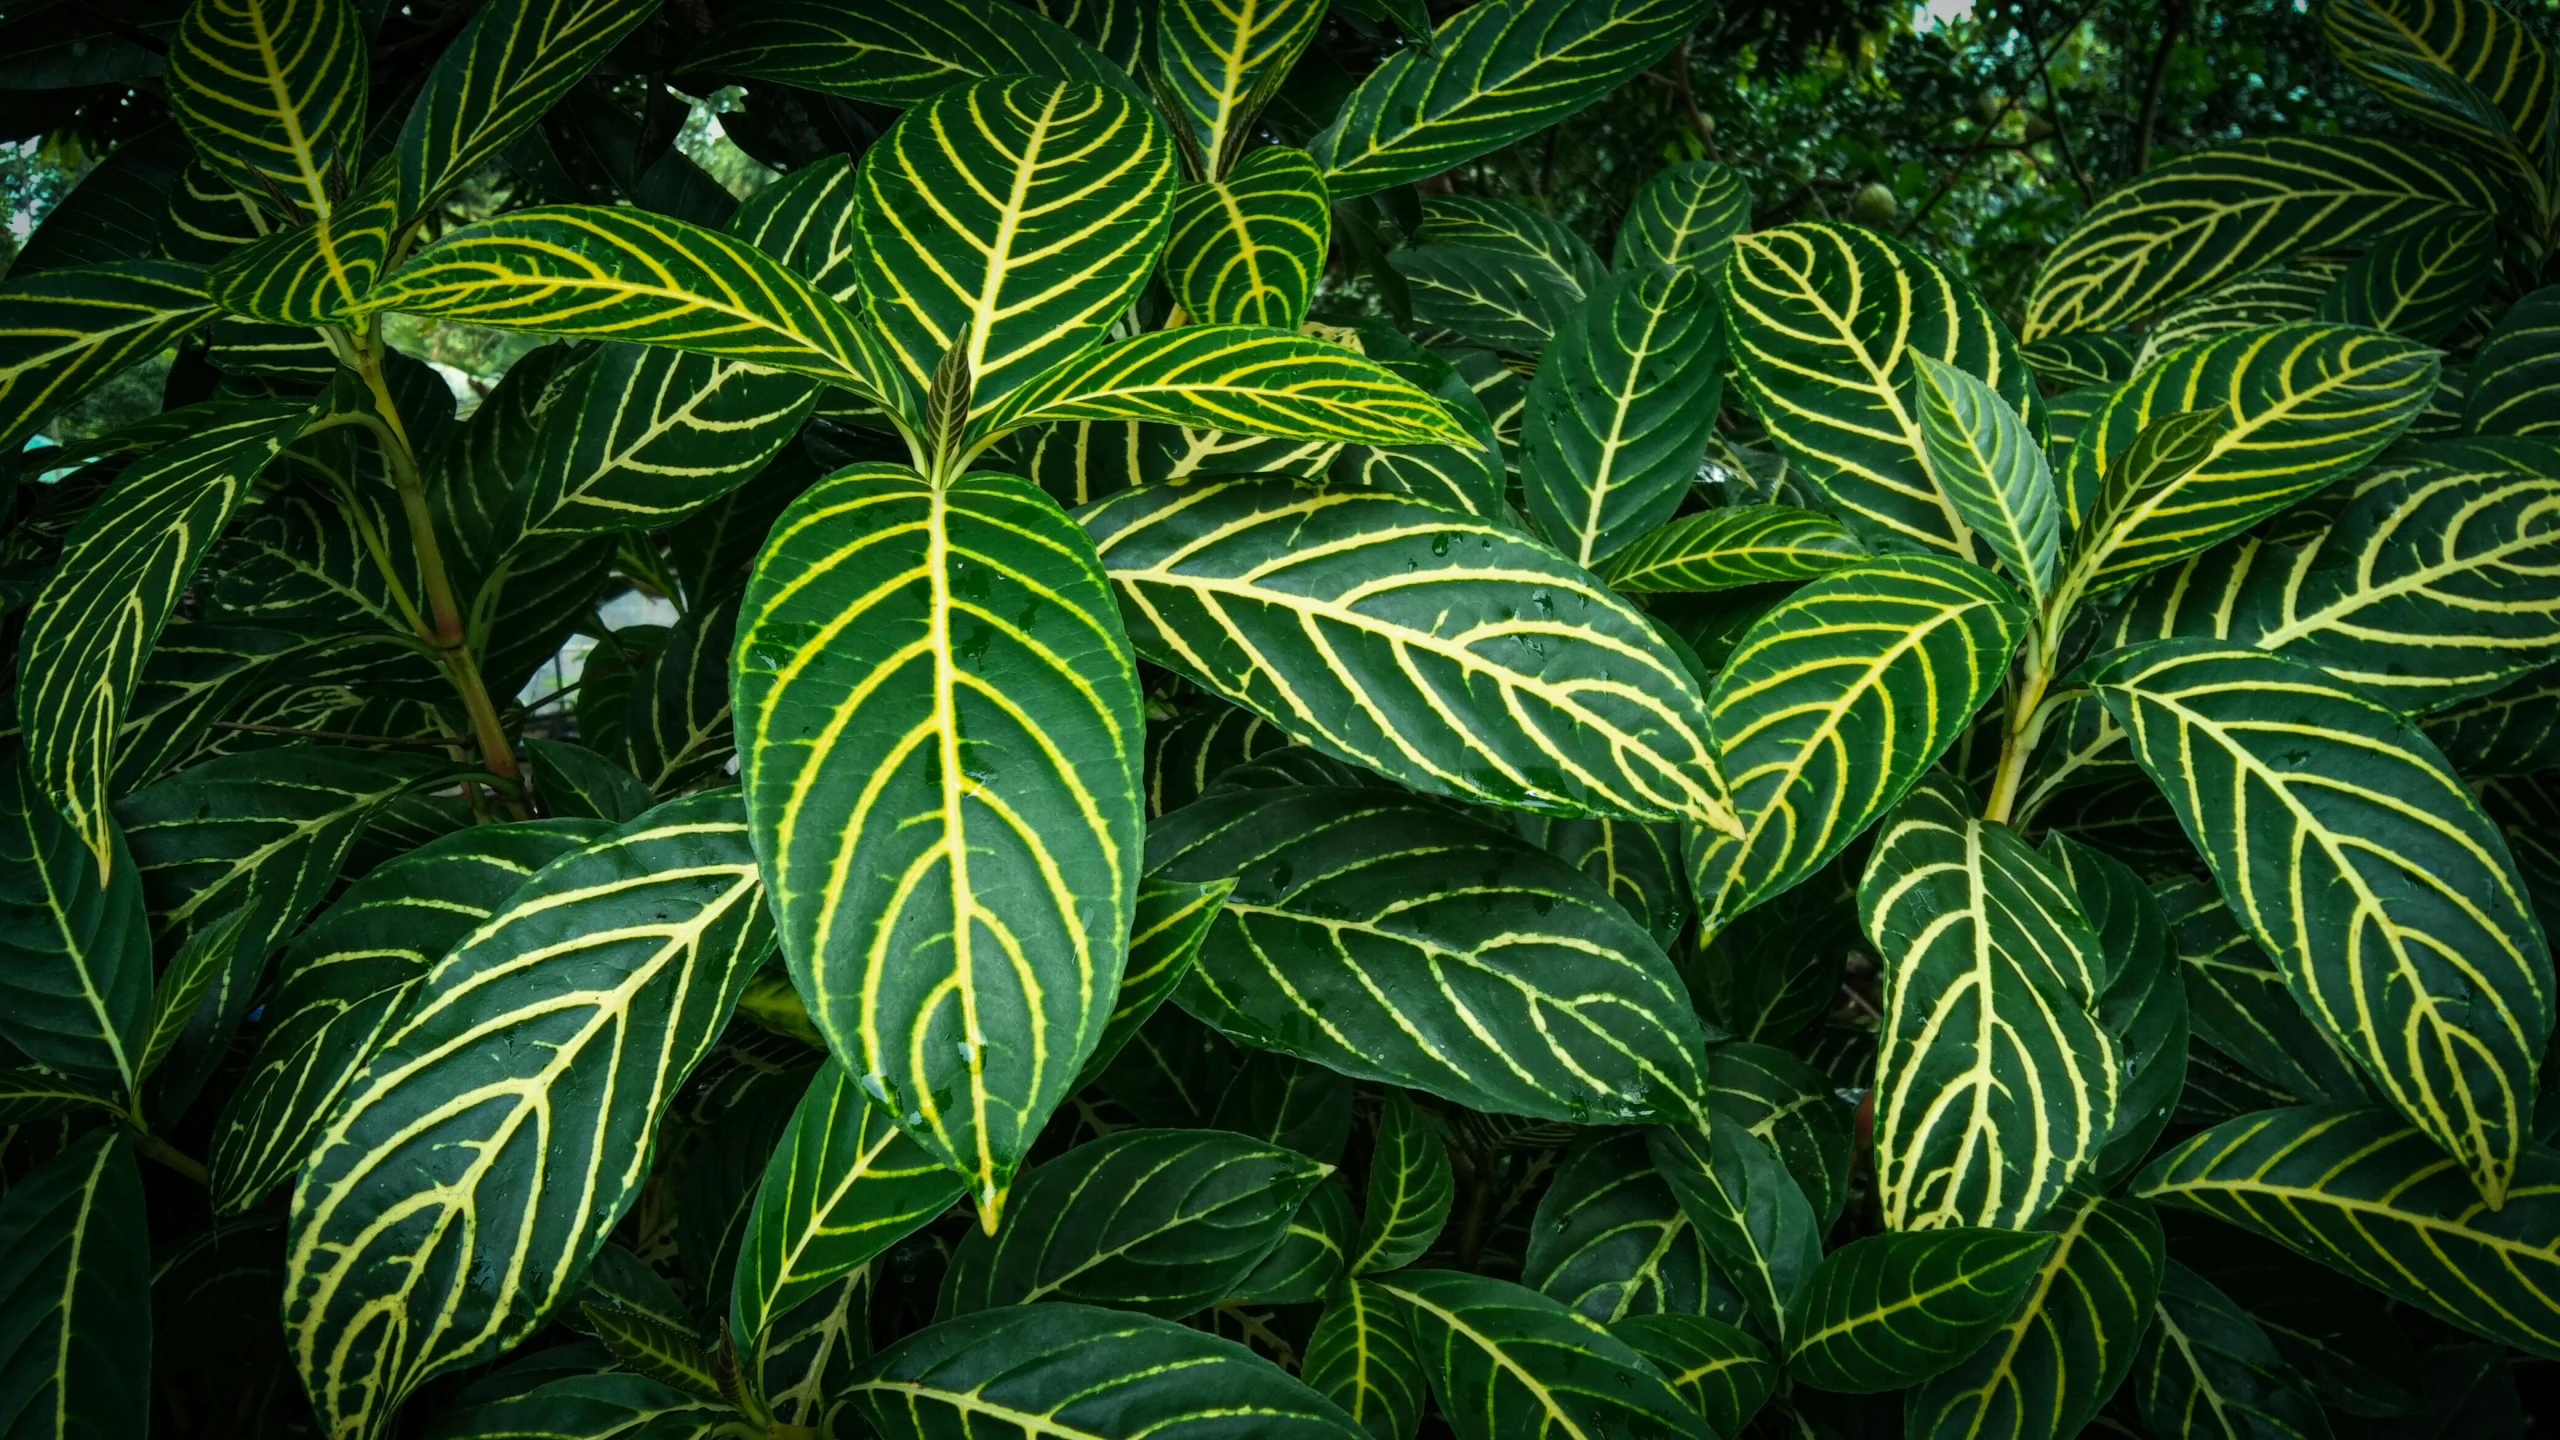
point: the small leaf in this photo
(1684, 216)
(1895, 1309)
(1235, 379)
(1723, 1373)
(2207, 1367)
(577, 783)
(190, 976)
(1410, 1189)
(75, 1293)
(1610, 1240)
(1722, 549)
(1989, 466)
(1248, 249)
(1508, 1361)
(75, 953)
(897, 53)
(655, 1349)
(1363, 1357)
(1749, 1212)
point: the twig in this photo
(2053, 104)
(2173, 22)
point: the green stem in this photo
(161, 1150)
(2022, 727)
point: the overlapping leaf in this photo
(2206, 1366)
(64, 331)
(75, 1293)
(1893, 1310)
(639, 436)
(1610, 1240)
(1217, 60)
(1234, 380)
(1684, 215)
(75, 953)
(1410, 1190)
(900, 52)
(1990, 468)
(2464, 66)
(1363, 1358)
(1743, 545)
(511, 62)
(1248, 248)
(2516, 375)
(1508, 1361)
(1750, 1214)
(2421, 282)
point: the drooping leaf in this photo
(75, 952)
(1217, 60)
(2207, 1369)
(511, 62)
(2516, 374)
(2239, 1006)
(1263, 592)
(1385, 937)
(1610, 1240)
(1620, 412)
(1248, 248)
(1508, 1361)
(2363, 1193)
(1825, 321)
(2143, 1002)
(898, 52)
(1895, 1309)
(1363, 1357)
(1997, 1085)
(2046, 1371)
(75, 1294)
(2359, 861)
(2421, 282)
(343, 982)
(845, 1184)
(1989, 467)
(1074, 1372)
(1234, 380)
(64, 331)
(1410, 1190)
(1833, 705)
(626, 957)
(272, 93)
(1683, 216)
(938, 724)
(1493, 73)
(1749, 1212)
(2194, 222)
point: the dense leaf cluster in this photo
(1283, 800)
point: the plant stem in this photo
(2022, 726)
(161, 1150)
(446, 634)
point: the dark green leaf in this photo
(75, 953)
(1723, 1373)
(1506, 1361)
(1363, 1357)
(898, 52)
(1610, 1240)
(2207, 1369)
(75, 1294)
(1410, 1189)
(1750, 1213)
(1895, 1309)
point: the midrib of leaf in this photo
(64, 1306)
(2015, 1332)
(315, 192)
(1501, 1360)
(2187, 1352)
(859, 1171)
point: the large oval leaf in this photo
(1506, 1361)
(2365, 1194)
(272, 94)
(1825, 320)
(1491, 74)
(1390, 939)
(1378, 629)
(462, 1185)
(1833, 705)
(898, 52)
(938, 726)
(1248, 249)
(1995, 1083)
(75, 952)
(1893, 1310)
(2194, 222)
(2359, 860)
(2464, 66)
(75, 1294)
(1073, 1372)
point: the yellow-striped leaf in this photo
(1493, 73)
(75, 952)
(1637, 863)
(1833, 704)
(1165, 932)
(1723, 1373)
(1749, 1212)
(1247, 249)
(1362, 1357)
(272, 94)
(2466, 67)
(1683, 216)
(1506, 1361)
(2420, 283)
(1009, 223)
(1410, 1190)
(2301, 405)
(1995, 1083)
(1268, 594)
(122, 571)
(2365, 1194)
(1379, 935)
(2101, 358)
(1503, 299)
(64, 331)
(1621, 410)
(2239, 1006)
(1504, 227)
(460, 1188)
(805, 220)
(75, 1293)
(509, 65)
(1218, 61)
(1893, 1310)
(635, 437)
(2207, 1368)
(2514, 730)
(315, 274)
(2361, 863)
(2515, 379)
(898, 52)
(2273, 295)
(593, 272)
(1236, 380)
(1743, 545)
(2195, 222)
(1826, 320)
(939, 729)
(1989, 467)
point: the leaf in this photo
(1775, 971)
(1185, 756)
(1218, 60)
(2143, 1003)
(2395, 46)
(938, 725)
(1833, 705)
(1381, 936)
(115, 212)
(1266, 594)
(676, 730)
(1008, 224)
(75, 1293)
(28, 1094)
(272, 93)
(1506, 1361)
(1683, 216)
(2419, 283)
(1248, 248)
(2189, 224)
(1165, 932)
(1988, 465)
(1825, 322)
(1620, 412)
(202, 959)
(1638, 864)
(1722, 549)
(615, 1406)
(1792, 1108)
(897, 52)
(2301, 407)
(1493, 73)
(343, 982)
(844, 1185)
(2516, 373)
(2274, 295)
(1073, 1372)
(2360, 862)
(1497, 298)
(1309, 1260)
(1895, 1309)
(62, 332)
(640, 437)
(591, 272)
(2206, 1368)
(1363, 1357)
(1751, 1215)
(1610, 1241)
(1288, 1103)
(2367, 1195)
(627, 957)
(578, 783)
(315, 274)
(2100, 358)
(1410, 1188)
(1723, 1373)
(75, 953)
(1476, 222)
(2239, 1006)
(1239, 379)
(512, 61)
(2343, 1339)
(2513, 730)
(2046, 1372)
(655, 1349)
